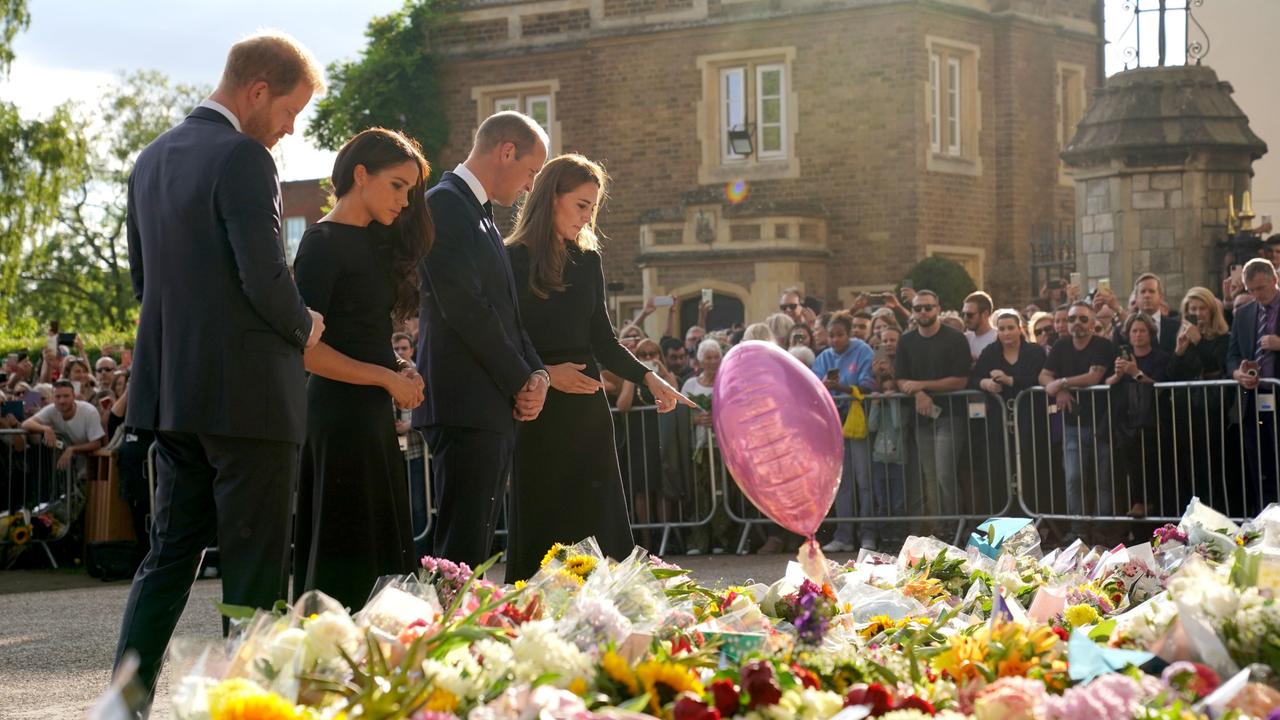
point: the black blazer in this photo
(220, 338)
(1170, 326)
(473, 351)
(1244, 336)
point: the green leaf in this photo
(235, 612)
(1103, 630)
(636, 704)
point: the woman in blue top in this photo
(844, 365)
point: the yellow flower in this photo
(619, 671)
(240, 699)
(664, 681)
(1079, 615)
(578, 687)
(1013, 667)
(963, 656)
(520, 584)
(565, 574)
(552, 554)
(580, 565)
(1043, 640)
(441, 700)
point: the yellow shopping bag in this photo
(855, 424)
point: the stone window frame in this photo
(963, 255)
(1070, 101)
(956, 62)
(490, 98)
(783, 163)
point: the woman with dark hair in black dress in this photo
(358, 267)
(565, 484)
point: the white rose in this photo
(284, 649)
(327, 633)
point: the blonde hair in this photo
(535, 223)
(1217, 323)
(758, 331)
(274, 58)
(780, 325)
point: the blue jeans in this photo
(855, 480)
(1087, 451)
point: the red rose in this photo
(874, 696)
(806, 677)
(761, 684)
(1206, 680)
(915, 702)
(727, 698)
(690, 708)
(1061, 632)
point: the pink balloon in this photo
(779, 434)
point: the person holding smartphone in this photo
(1251, 358)
(843, 366)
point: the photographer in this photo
(1139, 366)
(1251, 357)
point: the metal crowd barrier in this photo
(932, 475)
(427, 510)
(40, 500)
(1132, 452)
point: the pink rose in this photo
(1009, 698)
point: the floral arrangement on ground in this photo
(1184, 626)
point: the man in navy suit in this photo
(1252, 357)
(1148, 293)
(217, 370)
(481, 370)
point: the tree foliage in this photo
(394, 83)
(74, 263)
(14, 17)
(947, 278)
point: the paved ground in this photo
(60, 628)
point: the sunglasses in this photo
(647, 355)
(788, 307)
(1079, 318)
(924, 308)
(1043, 331)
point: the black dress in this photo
(353, 498)
(565, 484)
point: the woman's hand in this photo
(1190, 332)
(406, 391)
(1002, 377)
(665, 396)
(568, 378)
(990, 386)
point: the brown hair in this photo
(412, 233)
(274, 58)
(512, 127)
(535, 226)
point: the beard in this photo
(257, 125)
(927, 320)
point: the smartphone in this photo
(833, 374)
(11, 407)
(909, 284)
(663, 301)
(1075, 279)
(1104, 284)
(708, 297)
(67, 339)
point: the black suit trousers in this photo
(470, 471)
(237, 492)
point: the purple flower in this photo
(448, 576)
(811, 613)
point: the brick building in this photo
(881, 132)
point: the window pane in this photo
(733, 106)
(540, 111)
(771, 138)
(770, 83)
(771, 111)
(953, 106)
(505, 104)
(935, 122)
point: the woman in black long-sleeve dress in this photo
(1004, 369)
(358, 268)
(565, 484)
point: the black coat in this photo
(473, 351)
(220, 339)
(1170, 326)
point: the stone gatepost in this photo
(1154, 160)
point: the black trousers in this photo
(470, 471)
(234, 492)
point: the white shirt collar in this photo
(472, 182)
(221, 109)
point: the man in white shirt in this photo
(76, 420)
(977, 322)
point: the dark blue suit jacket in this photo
(473, 351)
(220, 338)
(1244, 336)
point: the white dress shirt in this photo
(472, 182)
(221, 109)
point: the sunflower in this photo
(619, 671)
(664, 681)
(553, 554)
(569, 578)
(580, 565)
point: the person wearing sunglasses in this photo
(1078, 361)
(933, 358)
(1040, 330)
(977, 322)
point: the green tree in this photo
(394, 83)
(78, 271)
(947, 278)
(14, 18)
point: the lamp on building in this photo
(740, 140)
